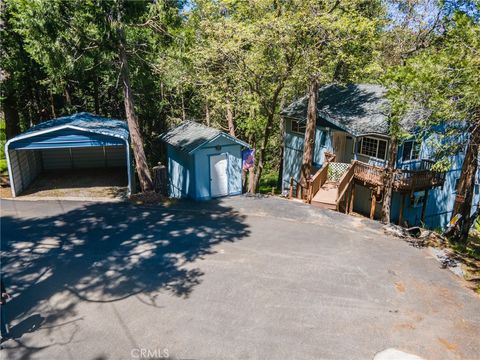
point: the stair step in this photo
(324, 205)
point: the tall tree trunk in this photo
(137, 141)
(388, 180)
(12, 119)
(42, 112)
(207, 114)
(96, 96)
(52, 105)
(260, 155)
(270, 109)
(230, 121)
(309, 142)
(184, 115)
(68, 99)
(282, 149)
(466, 183)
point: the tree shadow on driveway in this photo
(108, 252)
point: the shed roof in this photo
(81, 121)
(358, 109)
(190, 135)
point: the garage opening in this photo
(81, 155)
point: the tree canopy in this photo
(234, 64)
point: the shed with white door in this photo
(203, 162)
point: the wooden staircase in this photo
(326, 196)
(328, 187)
(333, 186)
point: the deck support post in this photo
(290, 191)
(352, 197)
(347, 199)
(424, 206)
(402, 203)
(374, 202)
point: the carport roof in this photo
(190, 135)
(81, 121)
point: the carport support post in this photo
(129, 168)
(373, 203)
(9, 168)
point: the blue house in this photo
(351, 151)
(203, 163)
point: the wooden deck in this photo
(404, 180)
(332, 187)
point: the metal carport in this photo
(77, 141)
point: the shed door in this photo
(218, 175)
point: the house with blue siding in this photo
(351, 152)
(203, 162)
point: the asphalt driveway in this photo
(241, 278)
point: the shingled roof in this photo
(190, 135)
(84, 121)
(358, 109)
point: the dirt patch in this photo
(405, 326)
(448, 345)
(461, 259)
(147, 198)
(81, 183)
(5, 193)
(400, 287)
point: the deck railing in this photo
(426, 164)
(344, 183)
(317, 181)
(404, 180)
(416, 180)
(372, 175)
(298, 190)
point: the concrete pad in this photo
(237, 278)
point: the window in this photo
(411, 150)
(298, 127)
(417, 199)
(323, 138)
(373, 147)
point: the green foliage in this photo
(3, 161)
(268, 181)
(443, 78)
(190, 59)
(61, 57)
(3, 138)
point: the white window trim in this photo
(296, 132)
(411, 151)
(376, 152)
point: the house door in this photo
(218, 175)
(339, 142)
